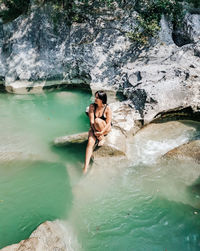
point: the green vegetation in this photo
(74, 11)
(11, 9)
(150, 13)
(144, 30)
(196, 3)
(148, 20)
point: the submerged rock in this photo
(190, 150)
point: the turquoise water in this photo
(34, 182)
(150, 204)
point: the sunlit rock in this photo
(169, 81)
(124, 117)
(165, 34)
(192, 24)
(189, 150)
(114, 146)
(48, 236)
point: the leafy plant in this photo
(150, 13)
(13, 8)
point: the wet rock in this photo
(48, 236)
(190, 150)
(70, 139)
(126, 118)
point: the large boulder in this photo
(164, 80)
(48, 236)
(190, 150)
(35, 47)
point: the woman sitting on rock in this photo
(100, 122)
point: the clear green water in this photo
(34, 182)
(147, 205)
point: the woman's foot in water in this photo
(84, 170)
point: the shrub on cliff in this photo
(11, 9)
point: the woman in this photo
(100, 122)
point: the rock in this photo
(190, 150)
(28, 87)
(165, 34)
(48, 236)
(114, 146)
(70, 139)
(125, 117)
(168, 81)
(35, 48)
(36, 52)
(191, 27)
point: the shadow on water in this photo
(30, 194)
(72, 152)
(194, 190)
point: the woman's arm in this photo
(108, 119)
(91, 116)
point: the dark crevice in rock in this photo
(29, 88)
(120, 96)
(2, 88)
(180, 38)
(177, 114)
(138, 98)
(85, 87)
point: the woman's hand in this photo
(98, 134)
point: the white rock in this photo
(49, 236)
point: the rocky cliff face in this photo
(98, 54)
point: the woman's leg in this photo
(89, 149)
(99, 125)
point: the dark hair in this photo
(102, 95)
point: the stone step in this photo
(70, 139)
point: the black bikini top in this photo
(102, 117)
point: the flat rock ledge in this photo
(71, 139)
(190, 150)
(37, 87)
(48, 236)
